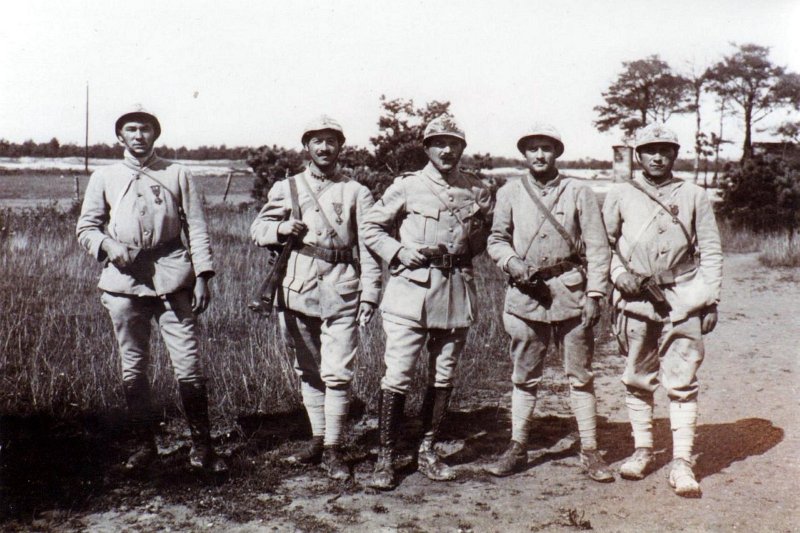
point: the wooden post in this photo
(86, 139)
(623, 162)
(77, 188)
(227, 187)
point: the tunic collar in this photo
(137, 162)
(319, 176)
(669, 181)
(433, 173)
(552, 184)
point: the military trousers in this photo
(530, 340)
(661, 352)
(132, 318)
(404, 343)
(324, 349)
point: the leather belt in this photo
(446, 261)
(553, 271)
(667, 277)
(330, 255)
(161, 248)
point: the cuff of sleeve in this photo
(615, 273)
(97, 249)
(390, 251)
(371, 296)
(206, 271)
(595, 294)
(503, 263)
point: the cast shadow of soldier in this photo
(49, 464)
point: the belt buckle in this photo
(447, 261)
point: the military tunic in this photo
(521, 231)
(649, 241)
(428, 210)
(320, 300)
(142, 206)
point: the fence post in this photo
(77, 188)
(227, 187)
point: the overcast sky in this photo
(253, 72)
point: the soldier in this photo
(133, 217)
(332, 283)
(442, 215)
(548, 237)
(666, 270)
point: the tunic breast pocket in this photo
(426, 223)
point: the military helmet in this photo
(323, 122)
(444, 126)
(656, 133)
(541, 129)
(137, 112)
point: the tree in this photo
(647, 90)
(763, 194)
(757, 86)
(696, 83)
(398, 145)
(271, 164)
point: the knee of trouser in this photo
(578, 385)
(396, 383)
(642, 394)
(529, 388)
(338, 380)
(188, 368)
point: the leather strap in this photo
(550, 217)
(675, 218)
(446, 261)
(330, 255)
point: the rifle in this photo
(276, 269)
(276, 263)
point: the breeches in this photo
(673, 350)
(324, 349)
(529, 343)
(403, 346)
(131, 317)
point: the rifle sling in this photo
(550, 217)
(675, 218)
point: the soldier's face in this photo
(540, 153)
(137, 137)
(323, 148)
(444, 152)
(657, 159)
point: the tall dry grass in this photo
(776, 249)
(58, 354)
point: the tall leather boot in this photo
(434, 407)
(390, 412)
(194, 396)
(142, 423)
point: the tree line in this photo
(54, 148)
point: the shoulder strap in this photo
(675, 218)
(322, 214)
(294, 197)
(549, 215)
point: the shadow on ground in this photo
(74, 466)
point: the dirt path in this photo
(748, 445)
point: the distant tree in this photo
(270, 164)
(763, 193)
(756, 85)
(646, 90)
(398, 145)
(697, 81)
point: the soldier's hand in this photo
(202, 295)
(292, 227)
(117, 253)
(710, 317)
(518, 270)
(628, 284)
(591, 312)
(366, 311)
(411, 258)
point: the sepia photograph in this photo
(423, 266)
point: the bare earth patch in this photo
(748, 446)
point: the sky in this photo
(254, 72)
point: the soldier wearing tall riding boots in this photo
(441, 216)
(548, 236)
(331, 286)
(667, 271)
(132, 219)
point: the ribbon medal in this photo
(157, 193)
(337, 208)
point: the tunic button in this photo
(544, 193)
(141, 213)
(543, 236)
(316, 209)
(319, 277)
(450, 198)
(136, 176)
(146, 233)
(319, 232)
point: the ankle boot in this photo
(142, 422)
(434, 407)
(311, 454)
(390, 412)
(334, 464)
(194, 396)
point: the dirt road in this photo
(748, 450)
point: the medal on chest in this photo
(157, 193)
(338, 209)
